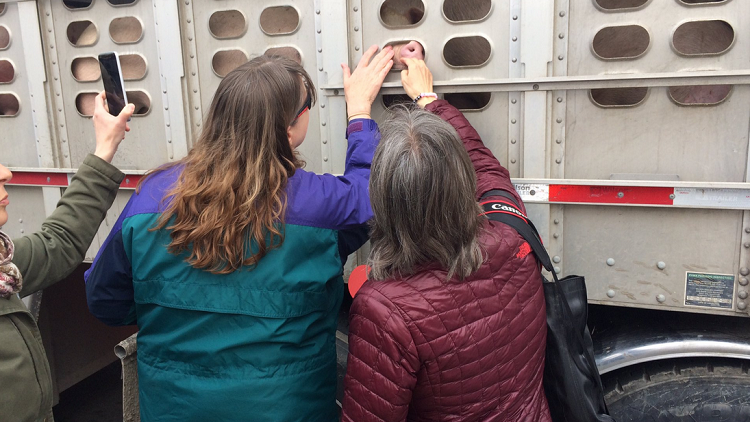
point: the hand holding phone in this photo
(113, 84)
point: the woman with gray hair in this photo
(451, 325)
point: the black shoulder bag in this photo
(571, 380)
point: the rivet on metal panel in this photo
(48, 179)
(535, 87)
(189, 20)
(193, 73)
(557, 270)
(20, 220)
(62, 124)
(514, 59)
(561, 35)
(320, 50)
(356, 8)
(610, 261)
(195, 91)
(742, 294)
(620, 194)
(562, 14)
(559, 99)
(558, 160)
(558, 141)
(64, 140)
(560, 57)
(317, 11)
(22, 231)
(743, 281)
(196, 107)
(513, 101)
(555, 235)
(52, 46)
(164, 91)
(661, 298)
(323, 124)
(557, 221)
(166, 107)
(514, 39)
(515, 17)
(671, 196)
(318, 31)
(192, 56)
(198, 124)
(65, 155)
(356, 28)
(556, 259)
(513, 121)
(356, 48)
(55, 77)
(320, 68)
(59, 109)
(610, 293)
(512, 141)
(169, 141)
(532, 192)
(325, 159)
(747, 229)
(335, 92)
(325, 141)
(741, 306)
(744, 271)
(513, 161)
(661, 265)
(167, 124)
(322, 106)
(190, 38)
(559, 120)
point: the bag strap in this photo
(509, 213)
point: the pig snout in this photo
(410, 50)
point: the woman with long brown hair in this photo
(230, 260)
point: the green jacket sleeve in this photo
(53, 252)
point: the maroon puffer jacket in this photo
(421, 349)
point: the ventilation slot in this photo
(401, 12)
(618, 97)
(467, 51)
(703, 38)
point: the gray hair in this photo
(422, 190)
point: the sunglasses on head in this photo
(306, 106)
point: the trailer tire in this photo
(694, 390)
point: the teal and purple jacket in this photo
(256, 344)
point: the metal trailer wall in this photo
(534, 106)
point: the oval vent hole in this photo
(85, 69)
(227, 60)
(699, 94)
(9, 105)
(126, 30)
(82, 33)
(466, 10)
(227, 24)
(288, 52)
(620, 4)
(618, 97)
(467, 51)
(469, 101)
(401, 12)
(621, 42)
(703, 38)
(279, 20)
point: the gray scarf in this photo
(10, 277)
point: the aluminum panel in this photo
(658, 139)
(25, 212)
(145, 146)
(18, 140)
(660, 19)
(635, 240)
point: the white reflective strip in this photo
(712, 198)
(532, 192)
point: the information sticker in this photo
(709, 290)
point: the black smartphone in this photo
(113, 85)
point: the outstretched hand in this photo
(362, 86)
(110, 130)
(417, 79)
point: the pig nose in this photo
(413, 50)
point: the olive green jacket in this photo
(44, 258)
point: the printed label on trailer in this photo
(709, 290)
(532, 192)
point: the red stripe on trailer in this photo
(39, 179)
(611, 194)
(130, 181)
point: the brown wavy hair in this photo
(227, 208)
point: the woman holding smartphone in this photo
(230, 260)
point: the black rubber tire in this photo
(694, 390)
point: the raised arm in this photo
(417, 79)
(53, 252)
